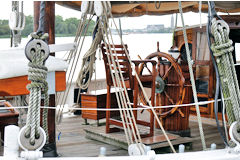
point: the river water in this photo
(138, 44)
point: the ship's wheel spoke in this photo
(171, 77)
(167, 72)
(169, 98)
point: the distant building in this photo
(155, 27)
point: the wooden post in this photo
(50, 29)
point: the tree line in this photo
(67, 27)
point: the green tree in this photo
(4, 29)
(67, 27)
(28, 26)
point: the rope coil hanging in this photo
(86, 72)
(222, 49)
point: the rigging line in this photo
(75, 51)
(87, 67)
(66, 92)
(123, 98)
(144, 93)
(116, 109)
(224, 119)
(41, 17)
(126, 96)
(121, 94)
(157, 6)
(78, 32)
(70, 78)
(127, 134)
(222, 49)
(22, 15)
(218, 84)
(192, 78)
(174, 29)
(71, 52)
(78, 36)
(129, 112)
(79, 91)
(200, 13)
(75, 60)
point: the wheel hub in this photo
(159, 84)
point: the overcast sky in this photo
(138, 22)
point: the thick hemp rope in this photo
(37, 74)
(222, 49)
(87, 63)
(192, 79)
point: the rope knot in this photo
(220, 49)
(37, 72)
(39, 35)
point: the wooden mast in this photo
(50, 29)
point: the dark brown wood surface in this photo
(131, 83)
(50, 29)
(97, 101)
(209, 71)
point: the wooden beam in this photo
(49, 28)
(52, 47)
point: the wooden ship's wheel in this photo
(169, 84)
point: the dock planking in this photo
(73, 141)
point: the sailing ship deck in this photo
(72, 142)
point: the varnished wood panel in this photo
(97, 100)
(17, 85)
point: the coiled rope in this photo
(222, 49)
(86, 72)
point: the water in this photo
(138, 44)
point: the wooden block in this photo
(17, 85)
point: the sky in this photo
(127, 22)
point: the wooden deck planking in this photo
(73, 143)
